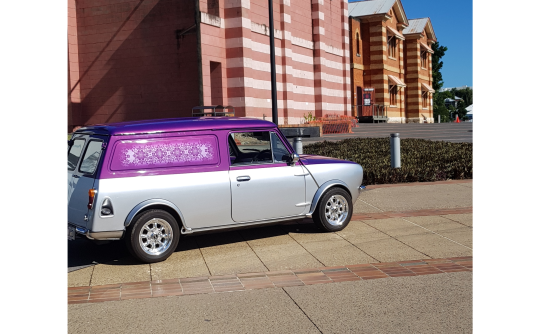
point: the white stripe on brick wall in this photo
(329, 63)
(286, 18)
(299, 57)
(237, 22)
(329, 92)
(318, 30)
(212, 20)
(265, 67)
(331, 106)
(346, 26)
(264, 48)
(237, 3)
(320, 2)
(346, 40)
(327, 77)
(239, 42)
(302, 42)
(263, 30)
(286, 2)
(317, 15)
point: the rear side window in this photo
(165, 152)
(91, 157)
(74, 153)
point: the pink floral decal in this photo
(168, 152)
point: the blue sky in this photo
(452, 22)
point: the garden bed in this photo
(421, 160)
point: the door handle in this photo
(76, 176)
(243, 178)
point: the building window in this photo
(357, 44)
(391, 44)
(213, 7)
(425, 99)
(424, 59)
(393, 90)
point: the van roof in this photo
(176, 124)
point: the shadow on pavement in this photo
(83, 253)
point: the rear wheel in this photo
(153, 236)
(334, 210)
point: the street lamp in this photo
(272, 62)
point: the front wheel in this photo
(153, 236)
(334, 210)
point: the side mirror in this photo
(294, 158)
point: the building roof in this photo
(176, 124)
(374, 7)
(417, 26)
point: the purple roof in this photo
(177, 124)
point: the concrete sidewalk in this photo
(391, 223)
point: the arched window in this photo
(357, 44)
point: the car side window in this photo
(74, 153)
(278, 149)
(251, 148)
(91, 157)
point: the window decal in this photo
(170, 152)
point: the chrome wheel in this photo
(336, 210)
(156, 236)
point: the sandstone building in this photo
(391, 55)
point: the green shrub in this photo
(421, 160)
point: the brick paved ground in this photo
(269, 279)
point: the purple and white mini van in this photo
(149, 182)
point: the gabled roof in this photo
(374, 7)
(417, 26)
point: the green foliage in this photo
(309, 117)
(466, 94)
(461, 111)
(438, 106)
(421, 160)
(437, 64)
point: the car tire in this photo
(153, 236)
(334, 210)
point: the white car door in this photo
(263, 185)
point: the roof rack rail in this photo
(204, 111)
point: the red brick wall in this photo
(130, 63)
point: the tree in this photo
(437, 64)
(466, 94)
(439, 108)
(461, 111)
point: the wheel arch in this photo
(323, 189)
(156, 204)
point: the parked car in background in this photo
(150, 182)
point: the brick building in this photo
(391, 55)
(140, 59)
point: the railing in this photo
(379, 112)
(334, 123)
(203, 111)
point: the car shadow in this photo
(83, 253)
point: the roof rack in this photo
(203, 111)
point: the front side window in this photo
(424, 59)
(425, 99)
(357, 45)
(391, 44)
(74, 153)
(91, 157)
(393, 95)
(259, 147)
